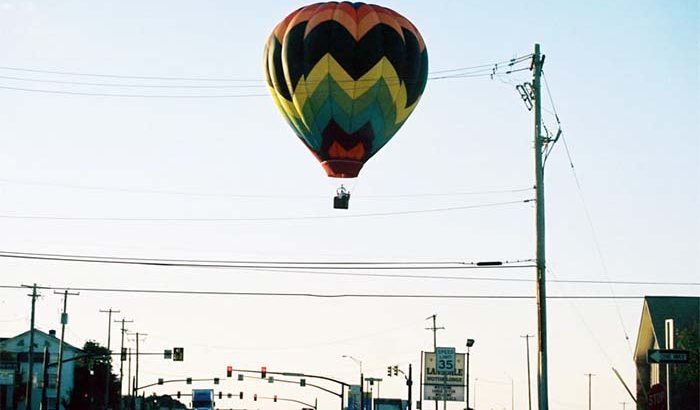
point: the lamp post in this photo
(512, 392)
(362, 379)
(470, 343)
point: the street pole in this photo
(409, 383)
(538, 61)
(512, 392)
(589, 389)
(527, 352)
(467, 398)
(45, 378)
(362, 391)
(136, 378)
(128, 389)
(121, 361)
(30, 359)
(64, 322)
(108, 375)
(434, 329)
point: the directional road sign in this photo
(667, 356)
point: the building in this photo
(14, 370)
(680, 318)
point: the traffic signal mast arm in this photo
(175, 381)
(294, 374)
(96, 355)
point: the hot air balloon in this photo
(345, 76)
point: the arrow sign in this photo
(667, 356)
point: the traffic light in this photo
(255, 397)
(275, 398)
(229, 371)
(240, 395)
(216, 380)
(167, 354)
(388, 371)
(229, 395)
(302, 382)
(160, 380)
(396, 370)
(178, 354)
(178, 394)
(221, 395)
(263, 372)
(189, 380)
(240, 377)
(123, 355)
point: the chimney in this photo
(52, 332)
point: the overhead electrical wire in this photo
(338, 268)
(248, 264)
(485, 70)
(266, 219)
(257, 196)
(309, 294)
(589, 219)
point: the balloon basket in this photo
(341, 199)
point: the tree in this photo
(90, 374)
(687, 375)
(162, 402)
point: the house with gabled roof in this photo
(669, 322)
(14, 370)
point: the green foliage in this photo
(687, 375)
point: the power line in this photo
(341, 268)
(266, 219)
(258, 196)
(37, 90)
(319, 295)
(272, 266)
(589, 219)
(511, 61)
(489, 70)
(39, 80)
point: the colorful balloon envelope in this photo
(346, 76)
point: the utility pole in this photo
(542, 396)
(136, 378)
(108, 375)
(589, 388)
(527, 352)
(30, 359)
(45, 379)
(409, 383)
(129, 379)
(434, 329)
(121, 360)
(64, 322)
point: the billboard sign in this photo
(438, 383)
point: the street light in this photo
(512, 392)
(362, 379)
(470, 343)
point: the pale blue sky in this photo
(624, 77)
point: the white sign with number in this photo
(443, 386)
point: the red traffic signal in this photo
(263, 372)
(275, 398)
(255, 397)
(229, 371)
